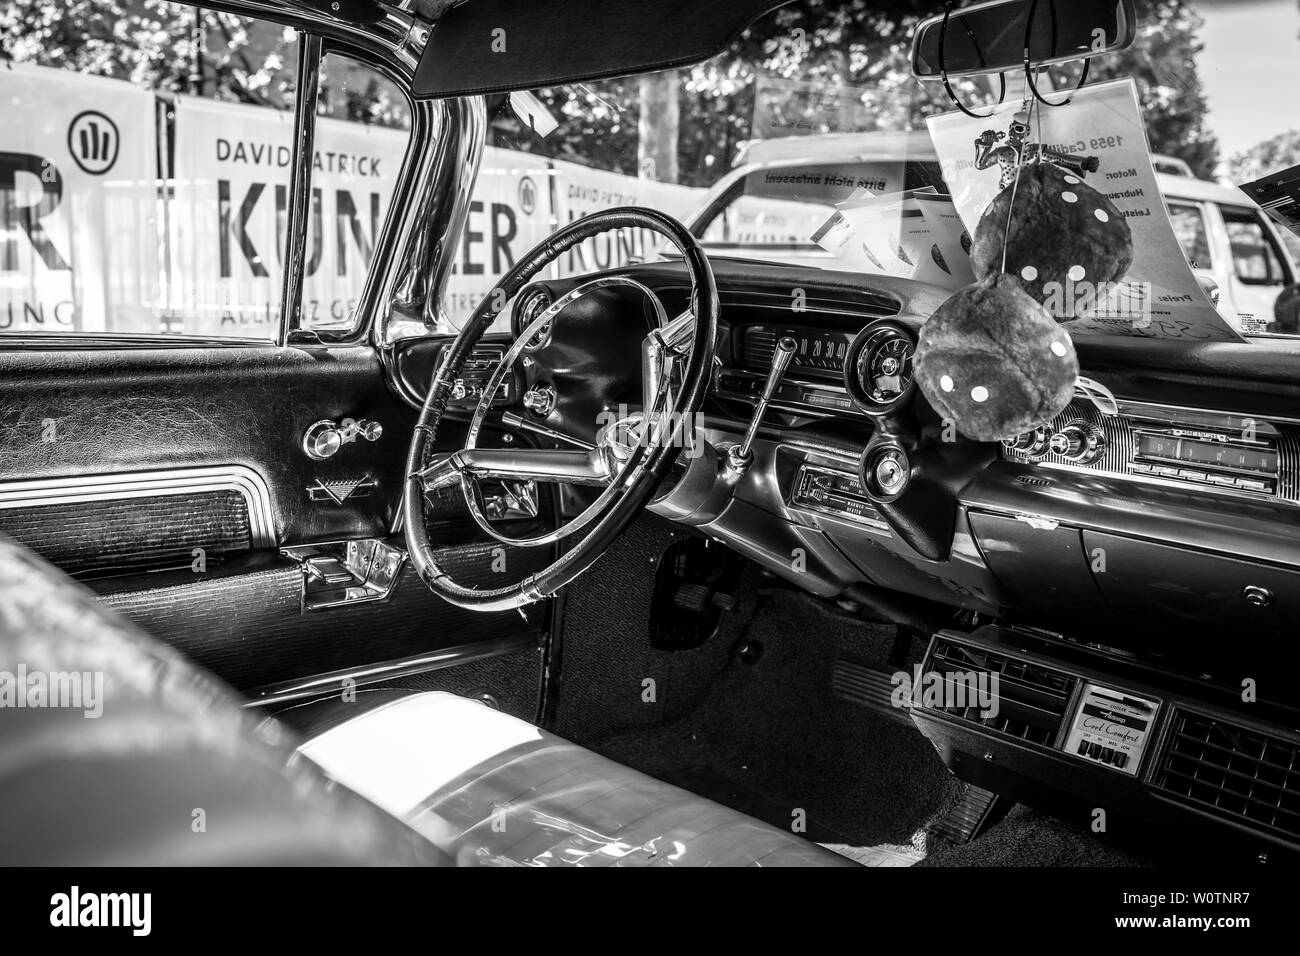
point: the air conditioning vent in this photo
(1232, 772)
(1031, 698)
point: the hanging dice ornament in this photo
(1062, 239)
(994, 361)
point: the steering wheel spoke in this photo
(628, 459)
(572, 467)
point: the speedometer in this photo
(878, 373)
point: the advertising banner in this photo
(79, 229)
(513, 209)
(228, 216)
(583, 191)
(93, 239)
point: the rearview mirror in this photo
(992, 37)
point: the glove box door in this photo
(1183, 591)
(1043, 573)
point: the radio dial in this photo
(1032, 443)
(1079, 443)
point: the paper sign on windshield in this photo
(1102, 134)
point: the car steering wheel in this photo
(631, 456)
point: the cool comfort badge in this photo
(1111, 727)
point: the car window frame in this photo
(386, 50)
(1207, 229)
(383, 264)
(1274, 244)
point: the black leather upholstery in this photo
(173, 771)
(147, 760)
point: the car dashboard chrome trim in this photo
(1228, 454)
(151, 484)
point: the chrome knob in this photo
(1032, 443)
(1257, 596)
(540, 400)
(1078, 443)
(324, 438)
(1067, 443)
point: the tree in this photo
(1163, 62)
(156, 44)
(614, 124)
(176, 48)
(1280, 152)
(857, 44)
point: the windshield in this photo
(813, 114)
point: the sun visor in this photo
(494, 46)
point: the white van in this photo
(752, 213)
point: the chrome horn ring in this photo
(628, 463)
(618, 464)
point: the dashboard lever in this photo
(511, 420)
(740, 457)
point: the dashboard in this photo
(1143, 546)
(1170, 457)
(845, 371)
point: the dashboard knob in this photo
(1032, 443)
(1078, 442)
(540, 400)
(1068, 443)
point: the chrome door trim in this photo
(333, 682)
(74, 489)
(300, 177)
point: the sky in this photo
(1251, 69)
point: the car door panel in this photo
(169, 479)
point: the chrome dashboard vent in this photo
(1232, 772)
(1032, 699)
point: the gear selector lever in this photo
(740, 457)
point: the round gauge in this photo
(531, 304)
(878, 371)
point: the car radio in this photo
(1213, 450)
(1206, 457)
(478, 369)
